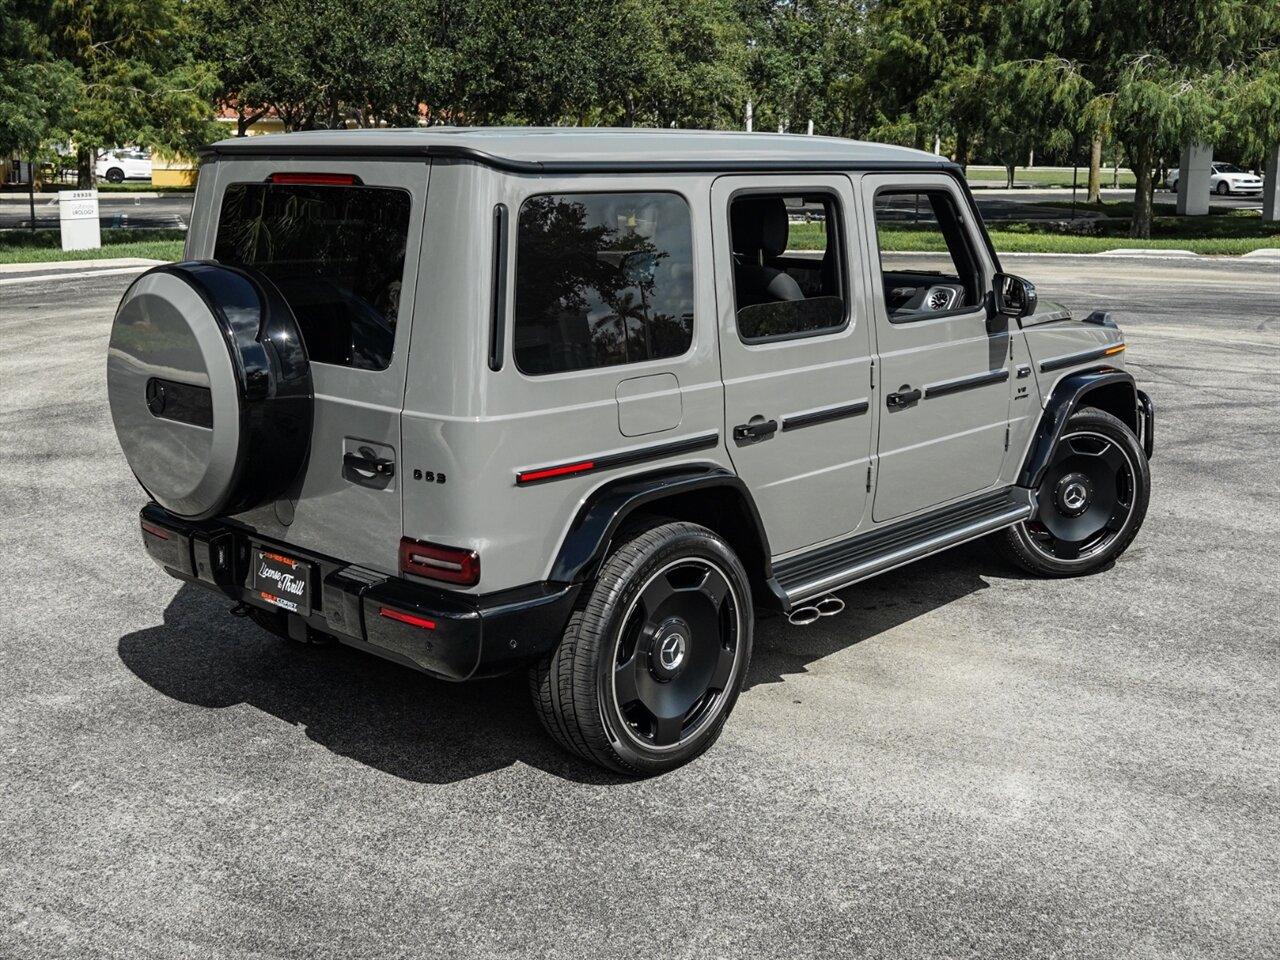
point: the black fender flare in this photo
(587, 542)
(1068, 396)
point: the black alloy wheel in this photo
(1090, 504)
(654, 656)
(115, 175)
(675, 654)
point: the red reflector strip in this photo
(324, 179)
(155, 531)
(529, 476)
(407, 618)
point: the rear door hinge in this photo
(868, 478)
(872, 368)
(1006, 436)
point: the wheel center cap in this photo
(670, 649)
(1074, 494)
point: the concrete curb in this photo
(12, 273)
(1145, 252)
(1266, 253)
(52, 198)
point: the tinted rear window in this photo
(602, 279)
(335, 252)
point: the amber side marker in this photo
(1114, 350)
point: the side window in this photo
(602, 279)
(335, 252)
(926, 260)
(788, 266)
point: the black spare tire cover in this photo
(210, 388)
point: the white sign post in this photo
(78, 214)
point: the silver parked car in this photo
(583, 402)
(1224, 179)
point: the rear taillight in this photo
(445, 564)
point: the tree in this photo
(804, 64)
(34, 89)
(132, 80)
(1157, 73)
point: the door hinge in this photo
(868, 478)
(872, 369)
(1006, 436)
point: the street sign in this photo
(78, 216)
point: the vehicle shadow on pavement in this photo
(430, 731)
(873, 607)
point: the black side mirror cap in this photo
(1012, 296)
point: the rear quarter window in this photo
(602, 279)
(336, 252)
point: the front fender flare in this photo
(1066, 399)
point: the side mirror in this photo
(1012, 296)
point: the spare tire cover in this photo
(210, 388)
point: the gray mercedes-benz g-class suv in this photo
(583, 401)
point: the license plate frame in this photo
(282, 581)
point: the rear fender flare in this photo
(684, 494)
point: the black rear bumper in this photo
(451, 635)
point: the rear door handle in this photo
(756, 430)
(903, 398)
(369, 465)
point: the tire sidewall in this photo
(624, 576)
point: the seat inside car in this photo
(759, 228)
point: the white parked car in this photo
(129, 163)
(1226, 178)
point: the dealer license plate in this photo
(282, 580)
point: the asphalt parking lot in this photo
(966, 763)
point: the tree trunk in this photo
(962, 149)
(1008, 175)
(1095, 170)
(31, 190)
(84, 168)
(1143, 194)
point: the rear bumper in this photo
(451, 635)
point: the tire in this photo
(1223, 188)
(115, 175)
(1090, 504)
(210, 388)
(651, 662)
(1174, 186)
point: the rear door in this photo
(944, 365)
(341, 239)
(795, 352)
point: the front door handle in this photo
(903, 398)
(755, 430)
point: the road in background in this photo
(166, 210)
(965, 763)
(174, 210)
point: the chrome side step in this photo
(840, 564)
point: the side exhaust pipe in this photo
(828, 606)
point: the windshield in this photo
(1229, 168)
